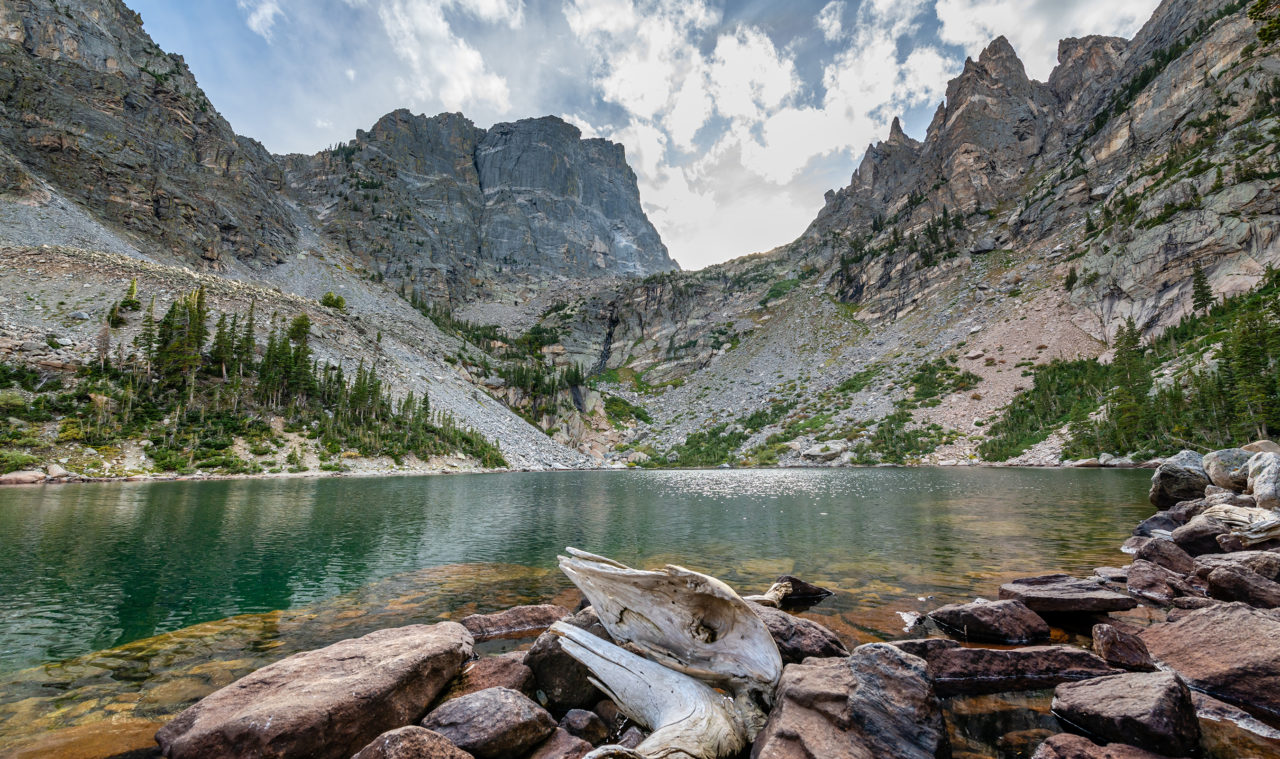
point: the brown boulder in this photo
(516, 622)
(1229, 650)
(798, 639)
(877, 702)
(22, 478)
(501, 671)
(925, 648)
(987, 670)
(411, 742)
(998, 621)
(492, 724)
(1167, 554)
(325, 703)
(1152, 710)
(1063, 593)
(1068, 746)
(1239, 584)
(586, 725)
(560, 678)
(1157, 584)
(1200, 535)
(561, 745)
(1121, 649)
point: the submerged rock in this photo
(516, 622)
(492, 724)
(998, 621)
(1179, 478)
(1068, 746)
(1229, 650)
(876, 702)
(1152, 710)
(1062, 593)
(327, 704)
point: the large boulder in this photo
(958, 671)
(1121, 649)
(1063, 593)
(1167, 554)
(1200, 535)
(411, 742)
(327, 703)
(998, 621)
(877, 702)
(492, 724)
(1069, 746)
(1229, 650)
(1228, 583)
(1152, 710)
(1179, 478)
(1262, 446)
(516, 622)
(1264, 480)
(797, 638)
(562, 682)
(22, 477)
(1227, 468)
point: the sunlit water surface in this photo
(133, 600)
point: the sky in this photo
(737, 115)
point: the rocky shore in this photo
(1205, 575)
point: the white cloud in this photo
(829, 20)
(262, 15)
(351, 75)
(442, 66)
(1034, 27)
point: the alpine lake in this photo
(123, 603)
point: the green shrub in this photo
(329, 300)
(12, 461)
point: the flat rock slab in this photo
(1156, 584)
(411, 742)
(798, 638)
(492, 724)
(1167, 554)
(1265, 563)
(957, 671)
(1152, 710)
(1229, 650)
(328, 703)
(1068, 746)
(877, 702)
(516, 622)
(1065, 594)
(999, 621)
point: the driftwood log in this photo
(699, 668)
(1253, 525)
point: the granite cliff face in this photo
(95, 109)
(93, 106)
(439, 206)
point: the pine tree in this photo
(1201, 293)
(222, 352)
(131, 302)
(199, 319)
(145, 340)
(245, 347)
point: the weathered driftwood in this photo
(1253, 525)
(688, 634)
(688, 718)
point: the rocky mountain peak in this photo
(1001, 61)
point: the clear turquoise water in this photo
(89, 567)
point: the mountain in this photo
(93, 107)
(438, 205)
(1032, 222)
